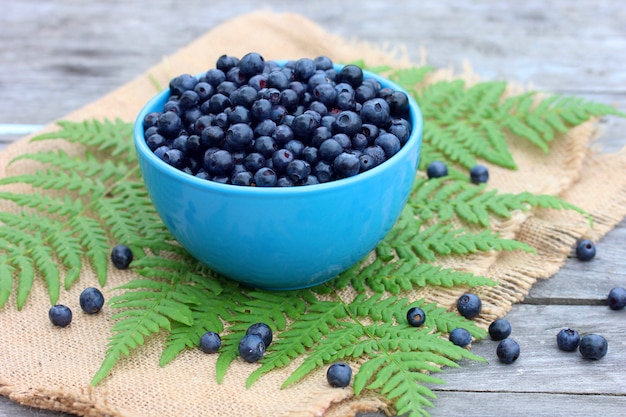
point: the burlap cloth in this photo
(51, 368)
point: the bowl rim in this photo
(143, 151)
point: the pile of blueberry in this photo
(254, 122)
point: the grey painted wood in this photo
(58, 55)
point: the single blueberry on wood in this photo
(617, 298)
(567, 339)
(593, 346)
(508, 351)
(585, 250)
(499, 329)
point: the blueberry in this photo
(265, 145)
(212, 136)
(204, 90)
(242, 178)
(210, 342)
(367, 162)
(415, 316)
(214, 76)
(278, 80)
(346, 165)
(281, 158)
(226, 62)
(60, 315)
(283, 134)
(585, 250)
(91, 300)
(437, 169)
(376, 111)
(324, 171)
(339, 375)
(298, 170)
(265, 127)
(398, 103)
(401, 128)
(262, 330)
(304, 69)
(239, 137)
(254, 161)
(567, 339)
(330, 149)
(323, 63)
(499, 329)
(348, 122)
(508, 351)
(310, 180)
(251, 64)
(593, 346)
(304, 125)
(364, 92)
(469, 305)
(150, 119)
(460, 337)
(375, 152)
(351, 74)
(389, 142)
(169, 124)
(325, 93)
(217, 103)
(479, 174)
(180, 84)
(311, 155)
(617, 298)
(188, 100)
(175, 158)
(265, 177)
(251, 348)
(296, 147)
(289, 99)
(121, 256)
(218, 162)
(155, 141)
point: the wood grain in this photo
(57, 56)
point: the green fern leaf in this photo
(6, 280)
(105, 136)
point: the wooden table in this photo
(56, 56)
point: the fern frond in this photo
(147, 308)
(114, 137)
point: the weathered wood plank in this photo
(496, 404)
(561, 48)
(542, 367)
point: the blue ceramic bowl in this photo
(280, 238)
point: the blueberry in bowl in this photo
(277, 182)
